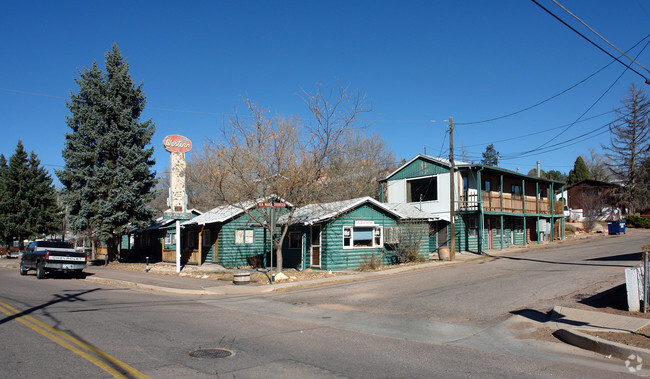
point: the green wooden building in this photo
(228, 235)
(494, 207)
(346, 234)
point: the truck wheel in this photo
(23, 270)
(40, 271)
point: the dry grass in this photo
(196, 272)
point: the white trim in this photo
(374, 228)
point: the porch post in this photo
(304, 249)
(562, 223)
(502, 231)
(523, 192)
(501, 192)
(551, 198)
(538, 211)
(537, 229)
(479, 185)
(178, 246)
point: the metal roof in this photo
(314, 213)
(220, 214)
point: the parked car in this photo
(48, 256)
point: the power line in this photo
(536, 133)
(591, 42)
(552, 97)
(588, 109)
(601, 37)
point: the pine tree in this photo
(629, 138)
(107, 176)
(490, 156)
(4, 199)
(28, 203)
(44, 216)
(16, 186)
(579, 172)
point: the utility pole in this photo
(452, 193)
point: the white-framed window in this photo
(362, 237)
(295, 240)
(244, 236)
(207, 237)
(422, 189)
(169, 239)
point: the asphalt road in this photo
(445, 322)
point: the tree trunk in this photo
(278, 257)
(111, 249)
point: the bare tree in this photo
(408, 241)
(277, 158)
(597, 166)
(593, 200)
(356, 167)
(629, 144)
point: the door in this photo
(443, 237)
(315, 246)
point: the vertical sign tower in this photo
(177, 146)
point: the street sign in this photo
(271, 204)
(176, 216)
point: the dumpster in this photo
(616, 227)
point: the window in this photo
(207, 237)
(362, 237)
(519, 227)
(192, 239)
(515, 189)
(295, 240)
(472, 229)
(391, 235)
(169, 239)
(244, 236)
(487, 186)
(423, 189)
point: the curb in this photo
(599, 345)
(241, 290)
(124, 283)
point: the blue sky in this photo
(417, 61)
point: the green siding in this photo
(236, 255)
(419, 167)
(335, 257)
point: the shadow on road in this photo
(571, 263)
(621, 257)
(70, 297)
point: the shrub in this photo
(570, 228)
(638, 221)
(409, 240)
(371, 262)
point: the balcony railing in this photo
(494, 202)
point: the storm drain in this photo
(210, 353)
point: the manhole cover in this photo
(210, 353)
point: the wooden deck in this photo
(496, 202)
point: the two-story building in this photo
(494, 207)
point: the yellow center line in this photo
(60, 338)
